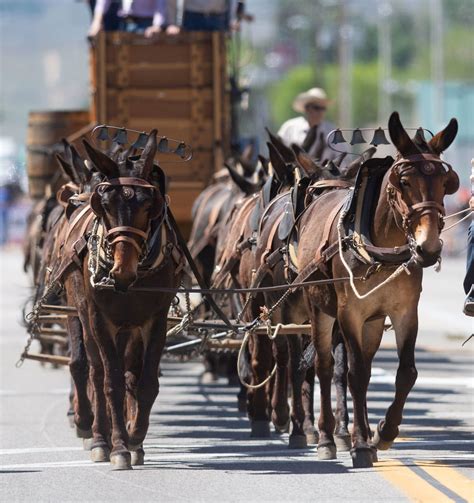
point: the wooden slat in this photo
(59, 360)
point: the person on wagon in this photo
(136, 16)
(208, 15)
(312, 105)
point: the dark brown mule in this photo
(124, 330)
(409, 208)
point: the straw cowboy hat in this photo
(315, 95)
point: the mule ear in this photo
(452, 182)
(245, 160)
(338, 159)
(102, 162)
(277, 162)
(83, 174)
(306, 163)
(285, 152)
(147, 158)
(95, 204)
(67, 169)
(399, 136)
(244, 185)
(440, 142)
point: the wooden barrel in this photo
(45, 130)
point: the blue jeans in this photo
(196, 21)
(138, 26)
(469, 279)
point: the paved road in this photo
(198, 447)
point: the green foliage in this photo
(298, 79)
(303, 77)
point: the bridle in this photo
(411, 213)
(118, 234)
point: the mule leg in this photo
(79, 369)
(114, 387)
(148, 384)
(297, 438)
(341, 432)
(307, 395)
(279, 398)
(261, 361)
(362, 342)
(406, 329)
(321, 328)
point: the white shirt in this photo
(295, 130)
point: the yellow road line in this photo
(450, 478)
(415, 488)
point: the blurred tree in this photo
(459, 12)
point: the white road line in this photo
(36, 450)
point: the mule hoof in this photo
(87, 444)
(327, 451)
(138, 457)
(282, 428)
(375, 458)
(378, 442)
(83, 433)
(70, 419)
(208, 378)
(362, 457)
(312, 438)
(242, 404)
(121, 461)
(297, 442)
(343, 442)
(100, 454)
(260, 429)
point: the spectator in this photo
(469, 278)
(5, 203)
(306, 130)
(111, 21)
(208, 15)
(136, 16)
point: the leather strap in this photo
(128, 180)
(327, 184)
(327, 228)
(125, 228)
(127, 239)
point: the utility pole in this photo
(345, 67)
(437, 61)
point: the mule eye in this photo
(404, 182)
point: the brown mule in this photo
(124, 331)
(409, 208)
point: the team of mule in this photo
(110, 245)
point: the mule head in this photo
(418, 183)
(127, 203)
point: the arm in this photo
(101, 7)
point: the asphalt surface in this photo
(198, 447)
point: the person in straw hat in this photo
(308, 129)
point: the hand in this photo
(471, 203)
(151, 31)
(172, 29)
(235, 26)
